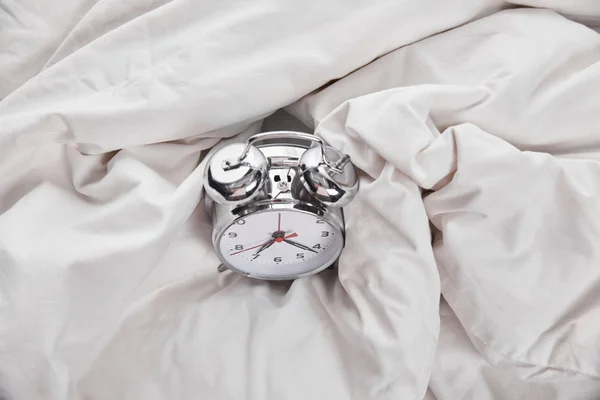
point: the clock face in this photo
(280, 243)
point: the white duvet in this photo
(472, 266)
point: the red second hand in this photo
(278, 240)
(253, 247)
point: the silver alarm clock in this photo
(276, 204)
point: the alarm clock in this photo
(276, 204)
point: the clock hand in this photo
(266, 246)
(281, 239)
(303, 247)
(253, 247)
(278, 222)
(270, 242)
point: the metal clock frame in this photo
(275, 150)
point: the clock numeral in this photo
(277, 259)
(232, 235)
(324, 234)
(320, 221)
(300, 256)
(240, 221)
(317, 246)
(239, 247)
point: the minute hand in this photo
(303, 247)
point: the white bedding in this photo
(472, 262)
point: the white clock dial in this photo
(280, 243)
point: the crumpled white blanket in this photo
(471, 268)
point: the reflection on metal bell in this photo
(229, 179)
(328, 175)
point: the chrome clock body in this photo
(276, 204)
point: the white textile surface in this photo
(473, 247)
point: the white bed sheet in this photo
(474, 124)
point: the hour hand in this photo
(301, 246)
(264, 247)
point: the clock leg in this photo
(222, 268)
